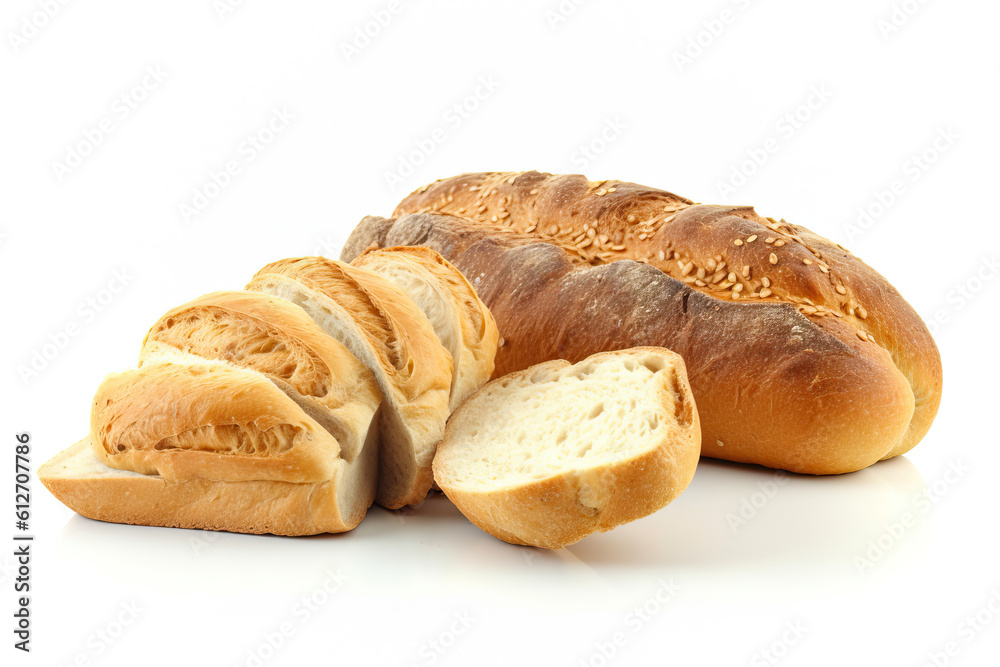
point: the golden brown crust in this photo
(773, 385)
(278, 339)
(727, 252)
(413, 368)
(87, 487)
(207, 420)
(562, 509)
(474, 330)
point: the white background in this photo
(689, 585)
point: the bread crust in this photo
(604, 221)
(413, 368)
(87, 487)
(279, 340)
(471, 323)
(564, 508)
(774, 386)
(207, 420)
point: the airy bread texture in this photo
(548, 455)
(775, 385)
(726, 252)
(461, 321)
(276, 338)
(383, 328)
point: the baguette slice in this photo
(276, 338)
(383, 328)
(550, 454)
(193, 443)
(460, 319)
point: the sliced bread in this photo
(553, 453)
(460, 319)
(383, 328)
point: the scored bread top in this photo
(278, 339)
(727, 252)
(463, 323)
(190, 418)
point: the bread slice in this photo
(548, 455)
(194, 443)
(461, 321)
(383, 328)
(276, 338)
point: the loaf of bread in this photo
(800, 357)
(384, 329)
(461, 321)
(198, 443)
(550, 454)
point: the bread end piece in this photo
(543, 476)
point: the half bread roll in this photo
(550, 454)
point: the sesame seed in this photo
(779, 243)
(612, 189)
(861, 335)
(631, 218)
(773, 258)
(710, 264)
(553, 229)
(735, 294)
(823, 268)
(841, 289)
(701, 272)
(583, 244)
(603, 238)
(718, 276)
(764, 293)
(618, 248)
(807, 261)
(501, 342)
(718, 258)
(601, 192)
(871, 338)
(738, 242)
(687, 268)
(503, 214)
(495, 219)
(746, 271)
(862, 313)
(533, 192)
(809, 310)
(751, 238)
(720, 443)
(731, 277)
(662, 255)
(766, 281)
(725, 284)
(769, 239)
(473, 188)
(677, 255)
(700, 283)
(591, 232)
(642, 237)
(738, 287)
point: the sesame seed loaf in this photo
(779, 381)
(579, 448)
(727, 252)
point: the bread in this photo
(94, 490)
(276, 338)
(461, 321)
(379, 324)
(550, 454)
(727, 252)
(776, 384)
(195, 443)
